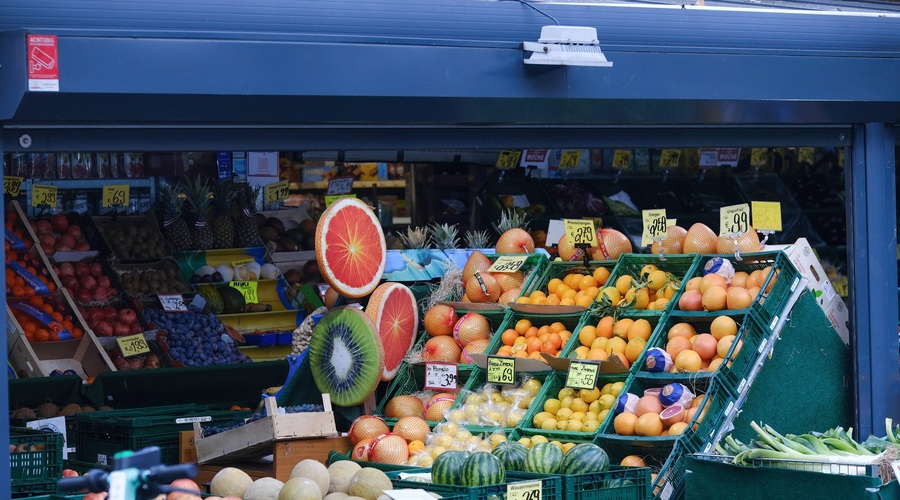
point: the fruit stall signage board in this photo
(508, 159)
(116, 195)
(43, 196)
(501, 370)
(582, 375)
(174, 303)
(11, 185)
(734, 219)
(132, 345)
(759, 157)
(43, 63)
(441, 376)
(247, 289)
(805, 155)
(530, 490)
(654, 225)
(670, 158)
(329, 199)
(569, 159)
(507, 264)
(581, 232)
(340, 185)
(622, 159)
(766, 215)
(277, 191)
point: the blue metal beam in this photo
(872, 241)
(5, 483)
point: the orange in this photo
(554, 340)
(565, 335)
(567, 302)
(601, 274)
(586, 282)
(552, 284)
(557, 327)
(534, 344)
(620, 329)
(520, 340)
(641, 329)
(624, 423)
(597, 355)
(509, 336)
(504, 351)
(522, 325)
(605, 327)
(584, 301)
(415, 446)
(587, 335)
(521, 354)
(531, 332)
(536, 355)
(581, 351)
(544, 329)
(41, 335)
(622, 358)
(552, 300)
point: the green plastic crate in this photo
(533, 268)
(559, 269)
(35, 470)
(593, 317)
(476, 383)
(680, 266)
(102, 434)
(572, 321)
(551, 487)
(410, 379)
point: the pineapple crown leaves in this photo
(415, 238)
(198, 198)
(245, 197)
(510, 219)
(477, 239)
(171, 200)
(223, 195)
(444, 236)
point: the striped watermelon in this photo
(482, 469)
(544, 458)
(585, 458)
(511, 455)
(447, 467)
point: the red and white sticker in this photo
(43, 63)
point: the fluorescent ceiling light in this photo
(566, 46)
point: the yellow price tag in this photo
(569, 159)
(805, 155)
(501, 370)
(582, 375)
(530, 490)
(622, 159)
(766, 215)
(670, 158)
(508, 263)
(734, 219)
(133, 345)
(580, 232)
(508, 159)
(115, 195)
(759, 157)
(11, 185)
(654, 225)
(242, 262)
(247, 289)
(42, 196)
(841, 157)
(277, 191)
(329, 199)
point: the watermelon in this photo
(544, 458)
(511, 455)
(585, 458)
(447, 467)
(482, 469)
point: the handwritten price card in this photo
(508, 160)
(441, 376)
(766, 215)
(173, 303)
(115, 195)
(580, 232)
(734, 219)
(247, 289)
(582, 375)
(43, 196)
(340, 185)
(11, 185)
(524, 491)
(277, 191)
(133, 345)
(569, 159)
(654, 225)
(501, 370)
(670, 158)
(622, 159)
(508, 264)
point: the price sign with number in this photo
(340, 185)
(173, 303)
(582, 375)
(501, 370)
(508, 160)
(709, 158)
(670, 158)
(654, 225)
(805, 155)
(441, 376)
(115, 195)
(569, 159)
(329, 199)
(622, 159)
(766, 215)
(530, 490)
(734, 219)
(247, 289)
(133, 345)
(43, 196)
(11, 185)
(508, 263)
(277, 191)
(580, 232)
(759, 157)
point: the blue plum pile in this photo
(196, 339)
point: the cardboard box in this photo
(318, 173)
(839, 315)
(804, 259)
(187, 449)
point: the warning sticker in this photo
(43, 63)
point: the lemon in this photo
(606, 401)
(526, 442)
(589, 396)
(578, 404)
(532, 385)
(456, 415)
(562, 425)
(564, 414)
(617, 388)
(606, 389)
(437, 451)
(474, 399)
(539, 418)
(539, 439)
(602, 416)
(566, 402)
(566, 392)
(591, 426)
(567, 446)
(514, 417)
(558, 445)
(578, 415)
(595, 407)
(549, 424)
(575, 426)
(497, 438)
(443, 441)
(450, 428)
(552, 405)
(462, 434)
(591, 416)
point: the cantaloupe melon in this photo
(315, 470)
(369, 483)
(230, 482)
(264, 488)
(341, 473)
(337, 495)
(300, 488)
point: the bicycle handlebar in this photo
(165, 474)
(94, 481)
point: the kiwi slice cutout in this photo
(346, 356)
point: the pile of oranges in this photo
(575, 289)
(528, 341)
(624, 338)
(650, 290)
(16, 286)
(38, 331)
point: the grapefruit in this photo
(392, 307)
(350, 247)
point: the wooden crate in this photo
(257, 439)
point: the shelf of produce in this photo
(273, 293)
(189, 261)
(280, 321)
(144, 282)
(356, 184)
(131, 239)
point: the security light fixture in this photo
(566, 46)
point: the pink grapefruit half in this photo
(392, 307)
(350, 247)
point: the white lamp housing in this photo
(566, 46)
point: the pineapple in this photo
(246, 231)
(415, 238)
(198, 203)
(223, 223)
(175, 229)
(477, 239)
(444, 235)
(510, 219)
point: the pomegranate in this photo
(103, 329)
(121, 330)
(127, 316)
(96, 269)
(82, 269)
(82, 246)
(59, 222)
(66, 269)
(75, 231)
(103, 281)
